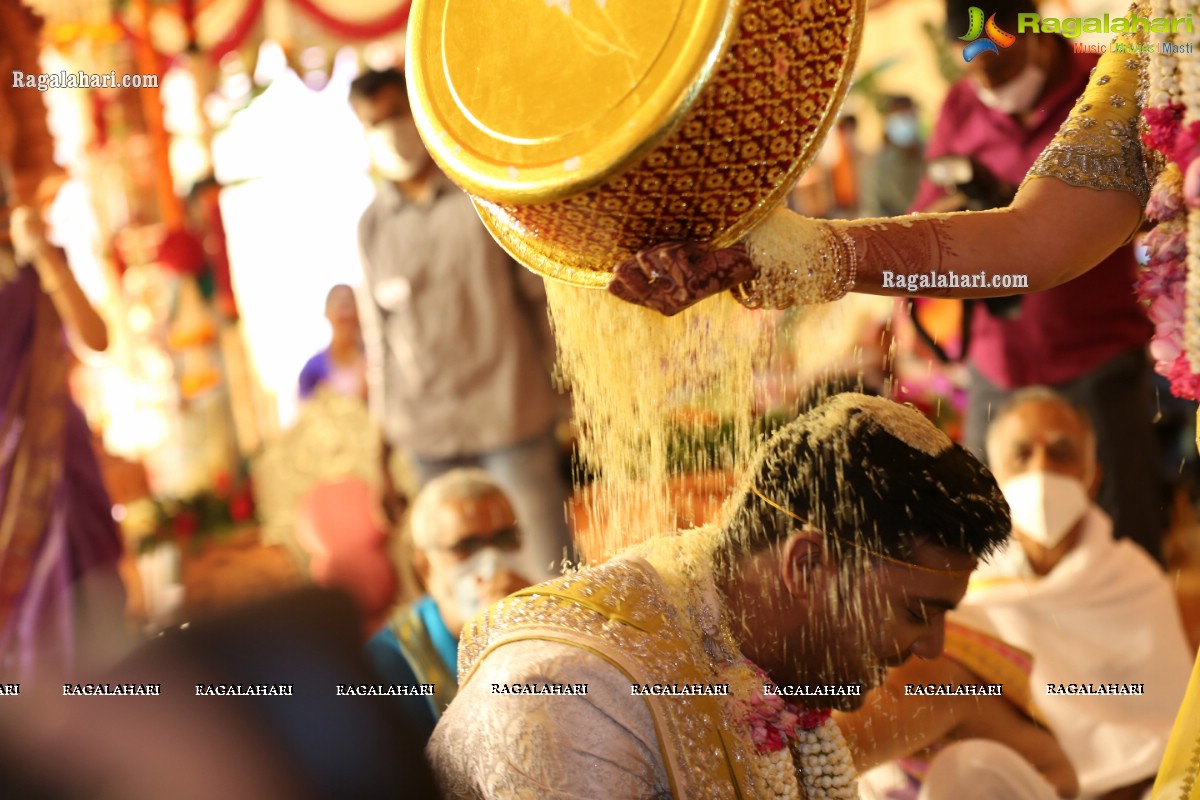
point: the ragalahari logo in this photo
(996, 38)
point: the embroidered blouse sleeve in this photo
(1099, 146)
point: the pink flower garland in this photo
(1161, 283)
(773, 721)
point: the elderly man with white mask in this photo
(467, 552)
(1110, 661)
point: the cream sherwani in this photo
(608, 627)
(602, 744)
(1105, 615)
(650, 618)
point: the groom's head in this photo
(857, 528)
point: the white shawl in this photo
(1106, 614)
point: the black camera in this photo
(980, 190)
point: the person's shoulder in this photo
(316, 361)
(551, 702)
(390, 661)
(385, 203)
(1137, 563)
(313, 372)
(532, 660)
(379, 203)
(383, 640)
(368, 222)
(961, 99)
(454, 199)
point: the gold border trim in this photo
(499, 190)
(516, 242)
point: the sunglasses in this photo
(505, 539)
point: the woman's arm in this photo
(893, 725)
(1083, 198)
(1053, 232)
(84, 326)
(1000, 721)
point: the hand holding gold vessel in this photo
(795, 260)
(669, 278)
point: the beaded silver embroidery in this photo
(1108, 156)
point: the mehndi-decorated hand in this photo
(671, 277)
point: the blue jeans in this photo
(530, 474)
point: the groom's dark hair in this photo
(868, 472)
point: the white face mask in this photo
(397, 150)
(902, 129)
(1045, 505)
(1021, 93)
(485, 564)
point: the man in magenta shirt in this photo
(1086, 338)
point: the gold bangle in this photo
(820, 267)
(745, 294)
(846, 259)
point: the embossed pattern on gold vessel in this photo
(755, 127)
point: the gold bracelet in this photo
(847, 274)
(829, 274)
(744, 293)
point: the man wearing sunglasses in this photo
(467, 552)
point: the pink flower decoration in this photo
(1164, 204)
(1184, 383)
(772, 720)
(1164, 350)
(1165, 309)
(1187, 146)
(1163, 124)
(1160, 284)
(1167, 243)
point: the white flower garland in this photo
(1174, 79)
(823, 768)
(826, 768)
(1164, 76)
(1185, 90)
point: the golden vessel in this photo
(587, 130)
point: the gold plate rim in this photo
(535, 259)
(651, 121)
